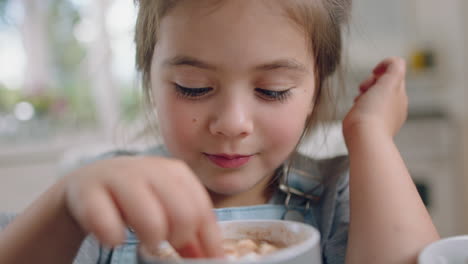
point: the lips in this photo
(228, 161)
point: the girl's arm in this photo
(106, 197)
(388, 221)
(44, 233)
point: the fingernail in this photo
(191, 250)
(380, 69)
(367, 83)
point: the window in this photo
(67, 66)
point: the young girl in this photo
(236, 85)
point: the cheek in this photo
(285, 128)
(286, 125)
(177, 122)
(281, 133)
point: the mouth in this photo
(229, 161)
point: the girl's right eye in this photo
(191, 92)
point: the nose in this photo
(232, 119)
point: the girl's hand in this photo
(382, 104)
(161, 199)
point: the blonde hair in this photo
(321, 21)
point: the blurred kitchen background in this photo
(69, 90)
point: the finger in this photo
(200, 197)
(191, 250)
(381, 68)
(357, 98)
(102, 218)
(211, 238)
(180, 211)
(143, 212)
(191, 203)
(378, 71)
(390, 72)
(209, 232)
(367, 84)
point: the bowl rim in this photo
(426, 250)
(282, 255)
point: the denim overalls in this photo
(316, 193)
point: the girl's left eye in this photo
(192, 92)
(271, 95)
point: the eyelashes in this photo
(192, 92)
(198, 93)
(271, 95)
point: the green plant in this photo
(8, 99)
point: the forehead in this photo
(232, 34)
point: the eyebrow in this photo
(289, 64)
(188, 61)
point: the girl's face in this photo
(233, 85)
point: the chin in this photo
(229, 186)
